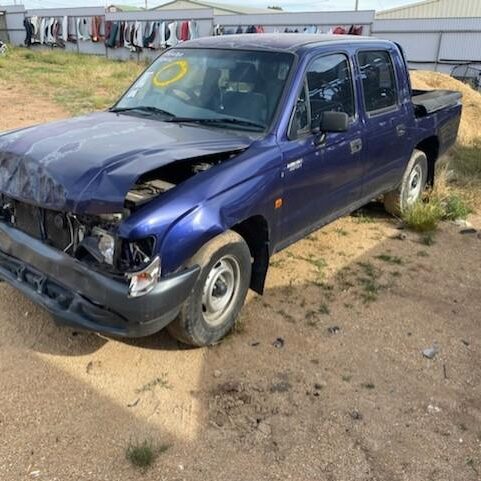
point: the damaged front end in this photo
(90, 239)
(75, 231)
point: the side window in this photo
(330, 86)
(378, 80)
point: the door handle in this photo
(356, 146)
(401, 130)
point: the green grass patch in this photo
(143, 454)
(159, 382)
(456, 208)
(388, 258)
(466, 163)
(424, 216)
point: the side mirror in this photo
(334, 122)
(329, 122)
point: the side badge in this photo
(296, 164)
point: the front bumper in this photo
(83, 298)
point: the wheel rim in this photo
(414, 185)
(220, 290)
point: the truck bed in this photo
(427, 102)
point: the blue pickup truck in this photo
(165, 210)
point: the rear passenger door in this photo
(321, 179)
(385, 115)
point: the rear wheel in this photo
(412, 186)
(219, 293)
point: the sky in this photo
(290, 5)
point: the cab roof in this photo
(289, 42)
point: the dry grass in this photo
(79, 83)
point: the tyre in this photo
(412, 186)
(219, 293)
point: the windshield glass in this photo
(242, 88)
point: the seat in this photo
(247, 105)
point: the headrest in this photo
(244, 72)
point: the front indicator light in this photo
(142, 282)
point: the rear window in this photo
(378, 80)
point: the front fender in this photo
(255, 196)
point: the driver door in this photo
(321, 180)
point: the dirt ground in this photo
(324, 378)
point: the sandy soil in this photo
(323, 380)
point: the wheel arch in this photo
(255, 231)
(430, 147)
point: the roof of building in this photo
(219, 7)
(289, 42)
(118, 7)
(434, 9)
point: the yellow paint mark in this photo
(177, 70)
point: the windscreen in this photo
(213, 84)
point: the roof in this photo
(434, 9)
(220, 8)
(289, 42)
(118, 7)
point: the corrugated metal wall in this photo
(434, 43)
(435, 9)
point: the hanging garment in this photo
(56, 32)
(119, 37)
(28, 32)
(96, 28)
(138, 40)
(127, 42)
(172, 40)
(259, 29)
(49, 31)
(72, 30)
(149, 35)
(82, 29)
(113, 34)
(251, 29)
(156, 43)
(193, 30)
(355, 30)
(107, 30)
(184, 31)
(65, 28)
(133, 48)
(35, 21)
(339, 31)
(239, 30)
(219, 30)
(310, 29)
(42, 31)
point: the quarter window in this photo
(378, 80)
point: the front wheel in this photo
(219, 293)
(412, 186)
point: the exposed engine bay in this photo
(92, 238)
(159, 181)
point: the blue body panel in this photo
(91, 162)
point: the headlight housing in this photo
(106, 244)
(142, 282)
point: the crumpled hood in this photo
(88, 164)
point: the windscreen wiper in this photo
(219, 120)
(142, 108)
